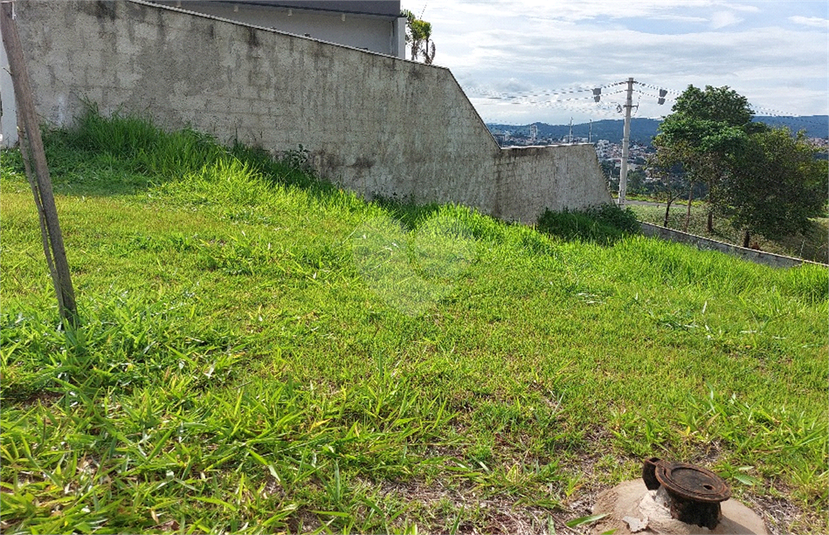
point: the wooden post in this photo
(31, 147)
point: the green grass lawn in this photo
(263, 352)
(812, 245)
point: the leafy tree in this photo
(418, 35)
(765, 180)
(636, 182)
(775, 185)
(704, 129)
(671, 183)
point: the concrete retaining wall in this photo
(752, 255)
(376, 124)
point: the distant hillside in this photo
(814, 125)
(643, 130)
(640, 130)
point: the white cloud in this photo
(815, 22)
(721, 19)
(680, 18)
(741, 7)
(532, 48)
(584, 10)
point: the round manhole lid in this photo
(692, 482)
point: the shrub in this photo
(603, 224)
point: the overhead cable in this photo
(547, 98)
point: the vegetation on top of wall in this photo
(264, 353)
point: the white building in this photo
(8, 108)
(374, 25)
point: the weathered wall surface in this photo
(751, 255)
(373, 123)
(526, 176)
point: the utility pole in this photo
(623, 174)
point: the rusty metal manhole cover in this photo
(692, 482)
(694, 492)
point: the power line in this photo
(497, 95)
(549, 98)
(531, 98)
(649, 86)
(758, 110)
(656, 97)
(513, 95)
(769, 112)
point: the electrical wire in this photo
(511, 95)
(769, 112)
(528, 97)
(655, 97)
(758, 110)
(538, 93)
(548, 98)
(659, 88)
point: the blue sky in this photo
(515, 59)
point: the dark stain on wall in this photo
(321, 51)
(105, 10)
(362, 164)
(416, 73)
(326, 163)
(253, 39)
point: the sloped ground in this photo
(261, 352)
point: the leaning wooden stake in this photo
(31, 147)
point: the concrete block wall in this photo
(376, 124)
(565, 170)
(707, 244)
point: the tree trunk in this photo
(667, 211)
(710, 225)
(688, 212)
(747, 239)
